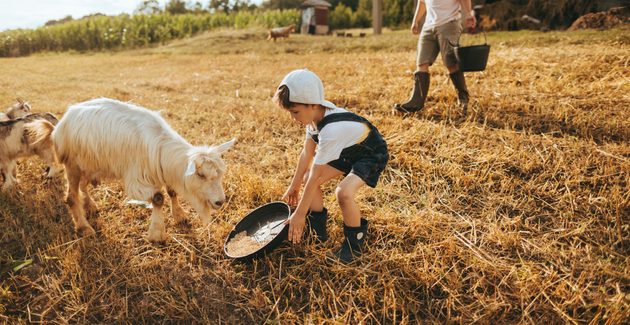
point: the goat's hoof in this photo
(185, 222)
(85, 231)
(180, 218)
(157, 239)
(91, 208)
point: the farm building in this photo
(315, 17)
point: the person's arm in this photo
(471, 21)
(298, 218)
(306, 157)
(420, 10)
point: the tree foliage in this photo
(148, 7)
(281, 4)
(176, 7)
(228, 6)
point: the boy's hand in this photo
(296, 225)
(291, 196)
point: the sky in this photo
(30, 14)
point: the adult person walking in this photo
(441, 28)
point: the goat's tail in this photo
(38, 132)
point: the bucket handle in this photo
(485, 42)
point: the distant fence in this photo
(126, 32)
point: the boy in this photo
(338, 142)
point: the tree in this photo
(352, 4)
(176, 7)
(148, 7)
(60, 21)
(221, 5)
(228, 6)
(363, 15)
(282, 4)
(239, 5)
(197, 8)
(340, 18)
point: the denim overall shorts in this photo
(366, 159)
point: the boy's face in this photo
(305, 114)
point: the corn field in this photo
(128, 32)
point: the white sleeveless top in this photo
(336, 136)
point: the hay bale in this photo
(553, 14)
(603, 20)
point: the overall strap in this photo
(349, 116)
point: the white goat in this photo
(25, 137)
(20, 109)
(108, 139)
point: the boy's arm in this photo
(420, 10)
(298, 217)
(306, 157)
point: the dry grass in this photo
(515, 213)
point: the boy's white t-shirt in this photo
(336, 136)
(440, 12)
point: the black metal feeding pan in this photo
(264, 222)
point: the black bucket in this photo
(472, 58)
(269, 216)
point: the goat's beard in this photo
(203, 210)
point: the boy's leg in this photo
(317, 216)
(317, 204)
(355, 227)
(345, 193)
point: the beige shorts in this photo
(438, 39)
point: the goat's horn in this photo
(20, 100)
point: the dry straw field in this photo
(515, 213)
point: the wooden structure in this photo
(377, 16)
(315, 17)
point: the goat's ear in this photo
(225, 146)
(191, 169)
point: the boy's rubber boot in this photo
(421, 81)
(459, 81)
(352, 246)
(316, 226)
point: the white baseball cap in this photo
(305, 87)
